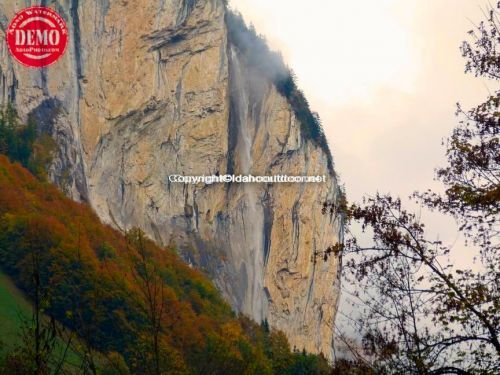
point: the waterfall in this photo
(251, 251)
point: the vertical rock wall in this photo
(151, 88)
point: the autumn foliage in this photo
(127, 300)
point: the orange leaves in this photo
(120, 294)
(96, 273)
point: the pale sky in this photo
(384, 76)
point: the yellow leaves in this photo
(122, 292)
(232, 332)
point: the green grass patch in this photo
(13, 306)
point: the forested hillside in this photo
(117, 300)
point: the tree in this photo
(153, 303)
(37, 352)
(23, 143)
(423, 315)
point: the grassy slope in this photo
(13, 305)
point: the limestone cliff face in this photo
(152, 88)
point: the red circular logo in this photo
(37, 36)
